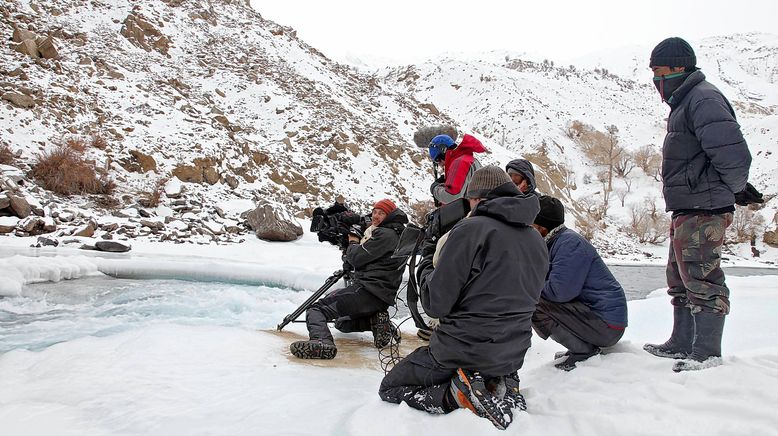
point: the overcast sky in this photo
(408, 30)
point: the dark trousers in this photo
(352, 305)
(577, 318)
(419, 381)
(694, 274)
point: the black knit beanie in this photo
(673, 52)
(552, 213)
(484, 180)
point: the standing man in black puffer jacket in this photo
(705, 164)
(483, 287)
(376, 277)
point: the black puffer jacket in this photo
(705, 159)
(525, 168)
(373, 265)
(486, 284)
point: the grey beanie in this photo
(486, 179)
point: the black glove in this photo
(346, 265)
(356, 230)
(748, 196)
(427, 248)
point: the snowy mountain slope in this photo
(230, 88)
(524, 107)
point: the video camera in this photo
(335, 223)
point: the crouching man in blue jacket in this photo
(582, 306)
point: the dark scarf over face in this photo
(666, 85)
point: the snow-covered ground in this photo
(161, 376)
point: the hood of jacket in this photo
(525, 168)
(505, 203)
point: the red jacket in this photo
(458, 162)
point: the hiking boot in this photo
(706, 349)
(679, 346)
(573, 358)
(313, 349)
(470, 392)
(424, 334)
(513, 396)
(561, 354)
(383, 329)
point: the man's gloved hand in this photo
(346, 265)
(427, 248)
(355, 230)
(748, 196)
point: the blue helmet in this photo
(439, 145)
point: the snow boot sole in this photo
(314, 349)
(469, 389)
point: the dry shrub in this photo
(152, 196)
(649, 160)
(419, 211)
(647, 224)
(65, 171)
(98, 142)
(77, 144)
(746, 224)
(7, 157)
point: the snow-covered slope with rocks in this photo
(211, 93)
(238, 108)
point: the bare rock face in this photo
(273, 223)
(19, 100)
(146, 162)
(771, 238)
(47, 49)
(112, 246)
(87, 230)
(20, 35)
(28, 47)
(20, 206)
(144, 35)
(187, 173)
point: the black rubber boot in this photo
(706, 349)
(383, 329)
(679, 346)
(579, 350)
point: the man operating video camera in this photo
(376, 278)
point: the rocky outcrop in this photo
(19, 100)
(112, 246)
(273, 223)
(145, 162)
(145, 35)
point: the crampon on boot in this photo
(470, 392)
(383, 329)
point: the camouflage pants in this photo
(694, 275)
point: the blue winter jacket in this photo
(577, 272)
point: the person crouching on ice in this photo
(483, 287)
(582, 305)
(362, 306)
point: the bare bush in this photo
(419, 211)
(152, 196)
(7, 157)
(65, 171)
(646, 224)
(622, 194)
(98, 142)
(746, 224)
(77, 144)
(624, 164)
(648, 159)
